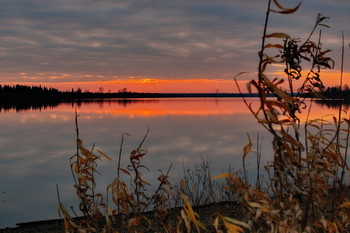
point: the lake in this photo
(36, 145)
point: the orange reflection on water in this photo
(162, 107)
(186, 107)
(159, 107)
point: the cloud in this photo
(160, 39)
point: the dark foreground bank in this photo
(207, 214)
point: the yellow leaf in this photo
(64, 211)
(247, 148)
(278, 91)
(108, 221)
(285, 10)
(237, 222)
(110, 211)
(345, 204)
(281, 7)
(278, 35)
(125, 171)
(252, 204)
(183, 184)
(86, 172)
(266, 210)
(85, 151)
(190, 212)
(106, 156)
(134, 222)
(232, 228)
(216, 223)
(278, 46)
(223, 175)
(185, 218)
(67, 217)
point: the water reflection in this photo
(36, 145)
(334, 103)
(43, 105)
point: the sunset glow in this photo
(147, 85)
(169, 47)
(153, 85)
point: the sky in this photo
(153, 45)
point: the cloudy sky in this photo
(150, 45)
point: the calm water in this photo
(36, 145)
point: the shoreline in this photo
(206, 212)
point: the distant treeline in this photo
(22, 92)
(21, 97)
(335, 97)
(27, 97)
(337, 92)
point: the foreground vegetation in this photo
(307, 185)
